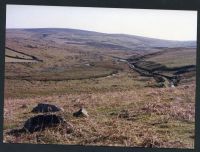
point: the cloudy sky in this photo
(162, 24)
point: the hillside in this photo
(81, 37)
(138, 91)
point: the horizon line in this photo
(102, 33)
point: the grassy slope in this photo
(159, 117)
(177, 57)
(163, 115)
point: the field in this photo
(116, 78)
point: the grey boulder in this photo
(41, 122)
(42, 108)
(81, 113)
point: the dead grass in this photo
(166, 122)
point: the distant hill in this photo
(102, 40)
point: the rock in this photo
(87, 64)
(40, 122)
(171, 85)
(81, 113)
(46, 108)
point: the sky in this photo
(161, 24)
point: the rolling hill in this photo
(103, 40)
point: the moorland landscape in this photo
(135, 91)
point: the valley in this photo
(138, 91)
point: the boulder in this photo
(40, 122)
(45, 108)
(81, 113)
